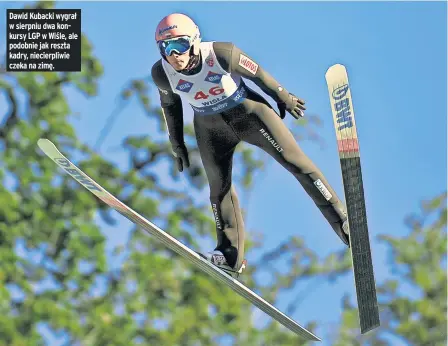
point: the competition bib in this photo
(210, 91)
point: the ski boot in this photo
(217, 258)
(342, 230)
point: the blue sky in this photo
(395, 54)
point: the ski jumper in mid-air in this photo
(209, 76)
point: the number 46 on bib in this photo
(215, 91)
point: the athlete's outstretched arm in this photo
(234, 60)
(171, 104)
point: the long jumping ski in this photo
(348, 148)
(172, 243)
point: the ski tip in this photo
(335, 70)
(44, 142)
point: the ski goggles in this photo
(180, 45)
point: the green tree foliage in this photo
(413, 302)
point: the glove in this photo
(180, 152)
(293, 105)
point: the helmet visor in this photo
(180, 45)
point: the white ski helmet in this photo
(177, 33)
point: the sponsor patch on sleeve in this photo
(248, 64)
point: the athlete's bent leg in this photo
(217, 143)
(269, 132)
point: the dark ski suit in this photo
(253, 121)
